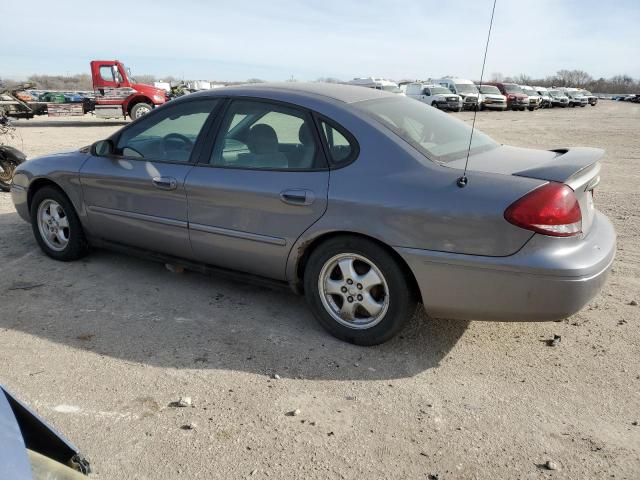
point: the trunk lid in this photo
(577, 167)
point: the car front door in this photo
(264, 183)
(136, 196)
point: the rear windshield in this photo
(512, 89)
(435, 134)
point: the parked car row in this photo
(457, 94)
(635, 98)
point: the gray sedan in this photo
(349, 195)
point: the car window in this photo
(106, 73)
(436, 135)
(341, 150)
(167, 136)
(260, 135)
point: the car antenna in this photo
(463, 180)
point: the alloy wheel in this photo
(53, 225)
(353, 290)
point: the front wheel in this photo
(358, 291)
(56, 225)
(139, 110)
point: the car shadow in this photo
(138, 311)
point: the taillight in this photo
(552, 209)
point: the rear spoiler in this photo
(568, 163)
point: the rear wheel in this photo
(358, 291)
(56, 225)
(139, 110)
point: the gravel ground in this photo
(101, 347)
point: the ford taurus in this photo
(348, 194)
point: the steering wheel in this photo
(188, 144)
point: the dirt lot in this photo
(100, 347)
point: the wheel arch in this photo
(307, 247)
(39, 183)
(135, 100)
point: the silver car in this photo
(349, 195)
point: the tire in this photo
(139, 110)
(44, 202)
(6, 174)
(531, 109)
(459, 109)
(389, 285)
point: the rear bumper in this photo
(548, 279)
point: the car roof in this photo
(334, 91)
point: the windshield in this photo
(489, 89)
(391, 88)
(466, 88)
(555, 93)
(529, 92)
(587, 92)
(512, 88)
(435, 90)
(131, 79)
(438, 136)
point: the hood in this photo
(14, 462)
(149, 90)
(22, 429)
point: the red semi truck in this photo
(117, 94)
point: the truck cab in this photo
(117, 94)
(465, 88)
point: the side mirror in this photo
(102, 148)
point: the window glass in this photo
(435, 134)
(260, 135)
(169, 136)
(106, 73)
(340, 149)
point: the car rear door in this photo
(137, 195)
(263, 184)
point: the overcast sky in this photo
(274, 40)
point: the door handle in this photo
(165, 183)
(297, 197)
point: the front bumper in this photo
(445, 105)
(19, 198)
(495, 105)
(548, 279)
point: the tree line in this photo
(575, 78)
(562, 78)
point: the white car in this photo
(535, 100)
(377, 84)
(491, 98)
(434, 95)
(547, 101)
(463, 87)
(576, 97)
(558, 98)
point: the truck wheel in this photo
(434, 104)
(139, 110)
(357, 291)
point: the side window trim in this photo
(353, 156)
(197, 147)
(207, 151)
